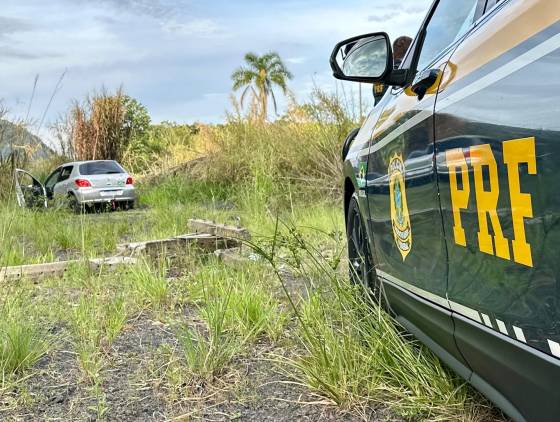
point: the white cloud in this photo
(195, 27)
(296, 60)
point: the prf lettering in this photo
(516, 152)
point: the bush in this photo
(300, 150)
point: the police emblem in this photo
(400, 218)
(361, 179)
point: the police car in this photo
(452, 192)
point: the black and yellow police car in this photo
(452, 192)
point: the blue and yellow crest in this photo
(400, 218)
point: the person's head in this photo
(400, 47)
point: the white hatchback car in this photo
(81, 183)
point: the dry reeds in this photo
(97, 129)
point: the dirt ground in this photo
(254, 390)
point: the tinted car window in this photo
(100, 167)
(65, 173)
(450, 21)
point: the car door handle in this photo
(426, 81)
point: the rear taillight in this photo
(129, 181)
(82, 183)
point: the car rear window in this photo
(100, 167)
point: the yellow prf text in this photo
(515, 152)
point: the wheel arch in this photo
(349, 191)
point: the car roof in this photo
(77, 163)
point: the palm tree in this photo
(258, 77)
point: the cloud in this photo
(13, 25)
(381, 17)
(176, 56)
(7, 52)
(196, 27)
(296, 60)
(158, 9)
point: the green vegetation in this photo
(21, 340)
(185, 331)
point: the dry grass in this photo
(97, 127)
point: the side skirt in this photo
(508, 371)
(429, 323)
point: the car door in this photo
(50, 182)
(497, 143)
(402, 191)
(60, 188)
(30, 193)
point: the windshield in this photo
(100, 167)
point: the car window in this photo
(490, 4)
(52, 179)
(449, 22)
(100, 167)
(65, 173)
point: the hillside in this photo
(12, 136)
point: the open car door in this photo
(30, 193)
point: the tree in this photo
(259, 76)
(136, 118)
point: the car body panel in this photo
(491, 312)
(403, 137)
(503, 270)
(516, 295)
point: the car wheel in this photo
(75, 205)
(360, 259)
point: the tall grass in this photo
(96, 127)
(22, 340)
(301, 149)
(355, 354)
(252, 309)
(148, 285)
(237, 310)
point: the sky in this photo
(175, 56)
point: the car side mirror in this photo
(366, 58)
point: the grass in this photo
(147, 285)
(341, 347)
(295, 300)
(22, 342)
(252, 309)
(206, 356)
(352, 352)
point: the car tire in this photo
(360, 259)
(74, 205)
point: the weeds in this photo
(96, 322)
(22, 342)
(207, 356)
(352, 352)
(148, 285)
(252, 309)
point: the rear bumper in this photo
(94, 196)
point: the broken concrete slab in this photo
(51, 269)
(229, 232)
(176, 245)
